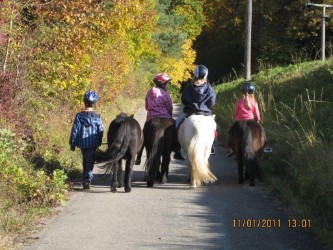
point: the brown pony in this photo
(159, 134)
(247, 140)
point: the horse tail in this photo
(198, 153)
(156, 139)
(118, 147)
(250, 156)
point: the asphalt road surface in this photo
(223, 215)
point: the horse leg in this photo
(254, 170)
(113, 186)
(146, 173)
(165, 167)
(193, 184)
(251, 176)
(120, 179)
(153, 171)
(250, 172)
(128, 174)
(139, 155)
(151, 176)
(240, 165)
(246, 175)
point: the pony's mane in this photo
(121, 116)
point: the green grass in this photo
(297, 114)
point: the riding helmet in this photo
(90, 97)
(161, 79)
(201, 72)
(248, 87)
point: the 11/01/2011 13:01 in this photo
(270, 223)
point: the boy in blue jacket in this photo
(87, 134)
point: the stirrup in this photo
(230, 153)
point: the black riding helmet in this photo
(248, 88)
(201, 72)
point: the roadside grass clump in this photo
(303, 174)
(25, 192)
(297, 112)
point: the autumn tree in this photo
(90, 44)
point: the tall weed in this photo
(304, 175)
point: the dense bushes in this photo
(24, 189)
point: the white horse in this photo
(196, 137)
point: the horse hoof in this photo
(128, 190)
(150, 184)
(252, 184)
(137, 162)
(113, 190)
(163, 180)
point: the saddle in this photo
(187, 116)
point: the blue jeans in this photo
(181, 117)
(88, 161)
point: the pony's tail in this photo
(250, 157)
(200, 168)
(154, 157)
(117, 149)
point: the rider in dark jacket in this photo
(198, 98)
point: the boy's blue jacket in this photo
(87, 130)
(198, 99)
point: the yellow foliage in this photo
(182, 69)
(92, 44)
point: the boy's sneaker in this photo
(268, 149)
(86, 185)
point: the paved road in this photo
(173, 216)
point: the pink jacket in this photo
(158, 104)
(242, 112)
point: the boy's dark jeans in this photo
(88, 163)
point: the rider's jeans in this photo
(181, 117)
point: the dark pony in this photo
(247, 140)
(159, 136)
(124, 140)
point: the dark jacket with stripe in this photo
(87, 130)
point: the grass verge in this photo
(297, 112)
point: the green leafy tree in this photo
(179, 23)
